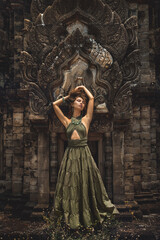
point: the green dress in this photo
(80, 196)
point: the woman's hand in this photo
(89, 94)
(80, 87)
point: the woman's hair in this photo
(77, 93)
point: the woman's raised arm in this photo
(64, 120)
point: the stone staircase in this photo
(148, 202)
(129, 211)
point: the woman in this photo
(80, 196)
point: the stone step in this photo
(156, 196)
(146, 201)
(147, 195)
(127, 207)
(125, 217)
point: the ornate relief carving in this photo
(38, 6)
(78, 39)
(29, 67)
(101, 125)
(131, 27)
(122, 101)
(131, 67)
(119, 6)
(38, 101)
(100, 55)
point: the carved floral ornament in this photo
(73, 39)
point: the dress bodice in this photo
(81, 130)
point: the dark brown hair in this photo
(73, 95)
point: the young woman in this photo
(80, 196)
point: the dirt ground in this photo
(14, 228)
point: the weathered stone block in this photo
(18, 130)
(53, 164)
(136, 126)
(33, 181)
(145, 149)
(53, 148)
(16, 178)
(34, 196)
(145, 113)
(128, 149)
(153, 165)
(146, 185)
(16, 187)
(129, 172)
(34, 173)
(133, 6)
(9, 151)
(26, 164)
(137, 156)
(128, 157)
(137, 178)
(145, 135)
(9, 159)
(34, 162)
(153, 122)
(153, 177)
(145, 122)
(128, 165)
(154, 113)
(153, 134)
(137, 171)
(129, 196)
(145, 157)
(26, 180)
(136, 143)
(8, 173)
(129, 188)
(18, 119)
(145, 128)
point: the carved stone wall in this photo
(43, 50)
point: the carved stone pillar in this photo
(108, 164)
(43, 166)
(53, 162)
(1, 149)
(118, 166)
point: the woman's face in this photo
(79, 103)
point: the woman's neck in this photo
(76, 114)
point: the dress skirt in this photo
(80, 196)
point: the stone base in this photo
(129, 211)
(148, 202)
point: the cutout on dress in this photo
(75, 135)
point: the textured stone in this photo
(18, 119)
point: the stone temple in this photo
(114, 46)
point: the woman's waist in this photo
(77, 142)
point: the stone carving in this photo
(74, 42)
(38, 6)
(122, 100)
(101, 125)
(38, 101)
(131, 27)
(119, 6)
(100, 55)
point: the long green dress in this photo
(80, 196)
